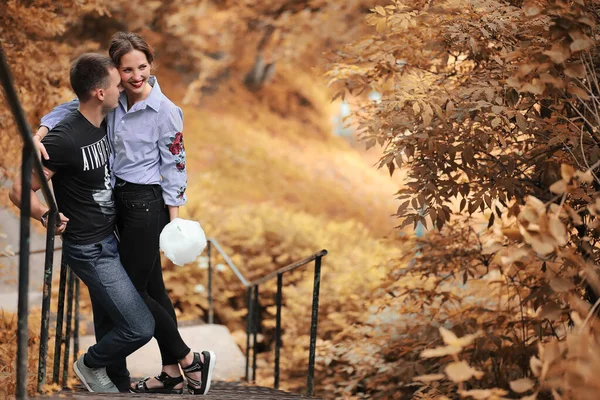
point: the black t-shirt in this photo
(79, 156)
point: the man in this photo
(78, 166)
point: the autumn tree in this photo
(491, 107)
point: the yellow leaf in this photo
(521, 385)
(567, 172)
(558, 187)
(461, 371)
(558, 231)
(448, 336)
(441, 351)
(429, 378)
(380, 10)
(452, 340)
(492, 247)
(535, 365)
(416, 108)
(449, 109)
(539, 243)
(585, 176)
(532, 9)
(427, 117)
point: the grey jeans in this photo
(99, 267)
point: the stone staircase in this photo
(230, 360)
(229, 370)
(218, 391)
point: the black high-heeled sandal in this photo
(168, 387)
(205, 367)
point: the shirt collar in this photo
(153, 100)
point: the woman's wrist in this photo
(173, 212)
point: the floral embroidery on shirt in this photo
(181, 192)
(177, 149)
(180, 163)
(176, 146)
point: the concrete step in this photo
(218, 391)
(230, 359)
(9, 301)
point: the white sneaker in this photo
(95, 379)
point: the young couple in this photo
(124, 123)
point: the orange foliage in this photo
(486, 106)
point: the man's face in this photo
(113, 91)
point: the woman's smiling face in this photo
(135, 71)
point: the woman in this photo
(150, 181)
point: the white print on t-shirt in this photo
(95, 155)
(104, 198)
(106, 178)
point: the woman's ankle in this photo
(188, 359)
(172, 370)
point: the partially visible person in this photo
(150, 182)
(78, 165)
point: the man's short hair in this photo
(88, 72)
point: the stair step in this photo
(218, 390)
(9, 300)
(230, 360)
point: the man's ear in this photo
(100, 94)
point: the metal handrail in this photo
(30, 162)
(230, 263)
(289, 268)
(252, 318)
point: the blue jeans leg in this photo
(99, 267)
(117, 372)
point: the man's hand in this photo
(61, 224)
(37, 142)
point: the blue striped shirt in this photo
(146, 141)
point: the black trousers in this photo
(142, 215)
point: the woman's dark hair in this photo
(122, 43)
(88, 72)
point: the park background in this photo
(478, 122)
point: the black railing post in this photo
(210, 295)
(253, 306)
(314, 320)
(26, 168)
(59, 319)
(23, 302)
(278, 328)
(71, 287)
(255, 331)
(76, 329)
(249, 318)
(30, 162)
(46, 296)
